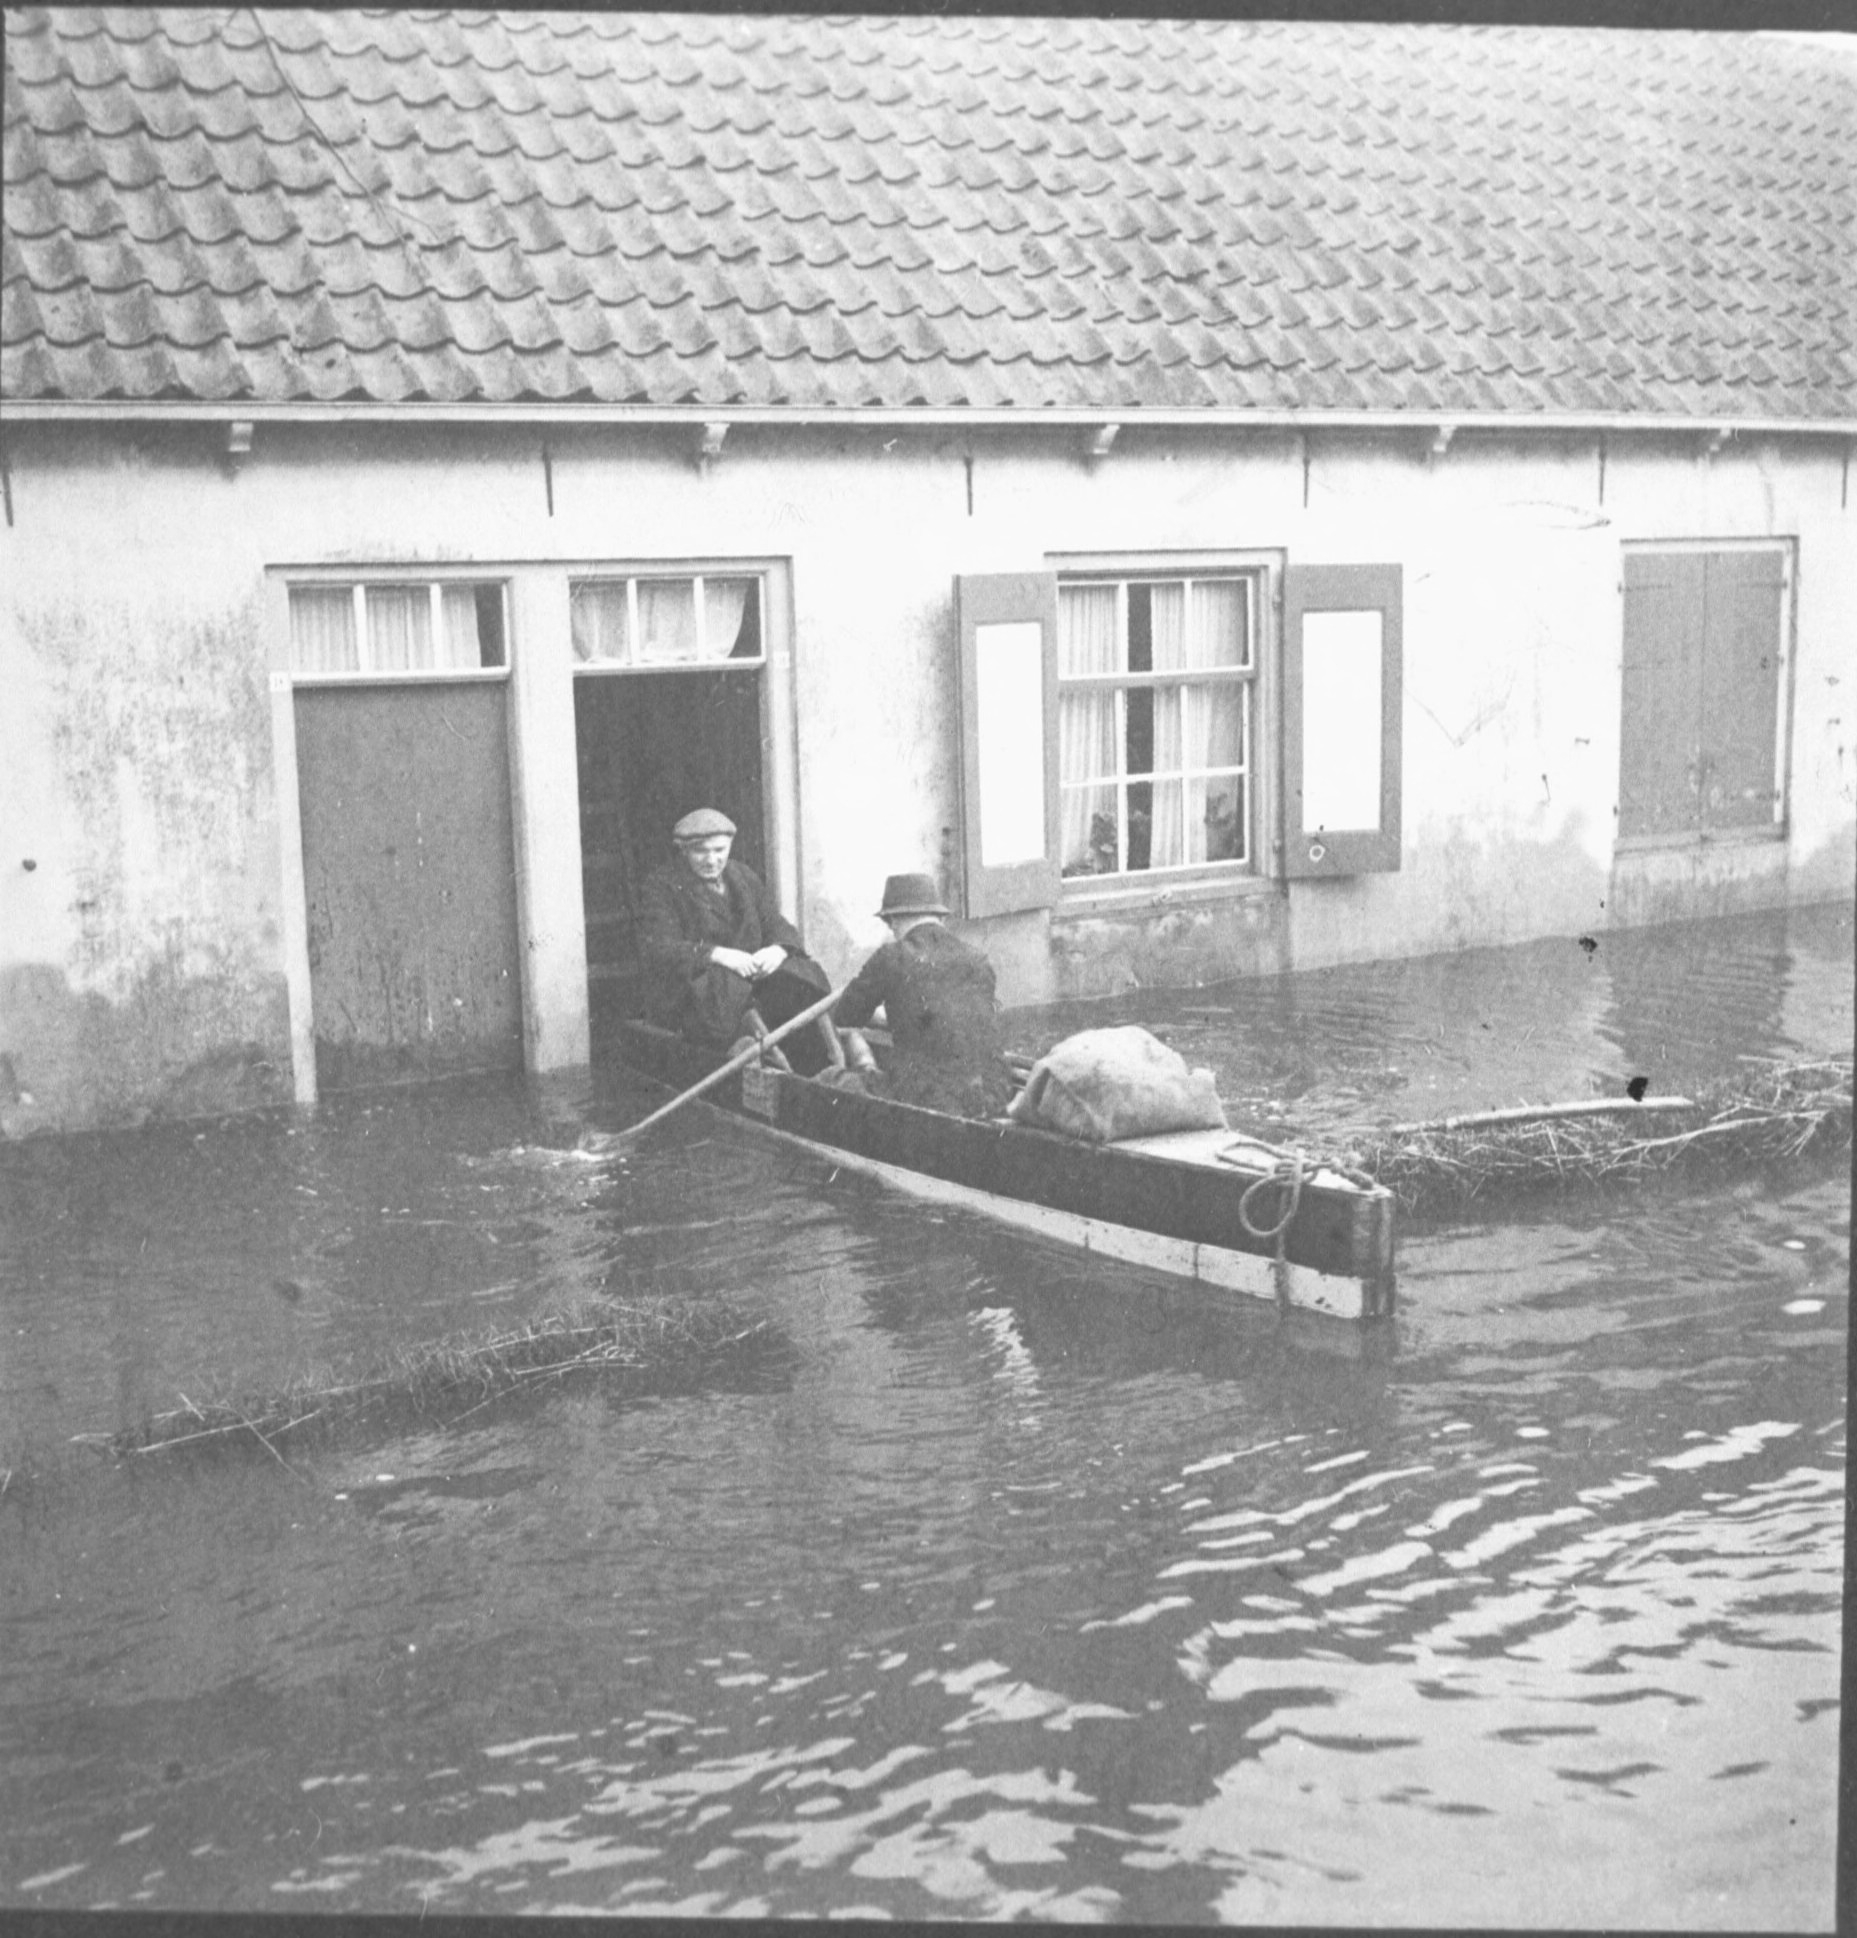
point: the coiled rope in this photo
(1285, 1172)
(1286, 1175)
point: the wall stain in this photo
(170, 1000)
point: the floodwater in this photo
(987, 1581)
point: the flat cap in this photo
(700, 823)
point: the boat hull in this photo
(1168, 1204)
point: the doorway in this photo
(669, 709)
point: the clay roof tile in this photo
(937, 208)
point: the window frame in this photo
(670, 572)
(1261, 569)
(1786, 548)
(359, 578)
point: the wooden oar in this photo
(611, 1140)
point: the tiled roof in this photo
(999, 213)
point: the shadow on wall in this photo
(176, 1047)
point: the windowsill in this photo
(1137, 897)
(1659, 844)
(603, 667)
(401, 676)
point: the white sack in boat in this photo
(1100, 1085)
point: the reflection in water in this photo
(1012, 1585)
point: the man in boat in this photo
(936, 993)
(724, 964)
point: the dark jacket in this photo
(937, 993)
(681, 918)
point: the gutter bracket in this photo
(1441, 439)
(1715, 441)
(238, 444)
(1102, 442)
(709, 444)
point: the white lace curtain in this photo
(667, 622)
(1192, 627)
(322, 629)
(399, 629)
(1088, 641)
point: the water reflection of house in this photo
(1225, 495)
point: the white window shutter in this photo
(1009, 741)
(1342, 699)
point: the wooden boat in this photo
(1174, 1203)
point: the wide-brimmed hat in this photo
(700, 823)
(911, 895)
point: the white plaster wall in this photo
(152, 779)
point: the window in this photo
(1156, 705)
(397, 627)
(1701, 727)
(662, 621)
(1144, 723)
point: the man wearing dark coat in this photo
(722, 961)
(937, 994)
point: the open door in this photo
(669, 716)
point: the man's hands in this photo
(752, 968)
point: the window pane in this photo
(1216, 829)
(1087, 636)
(1167, 828)
(399, 628)
(1089, 835)
(322, 629)
(1215, 718)
(1166, 627)
(458, 611)
(1140, 823)
(731, 619)
(1163, 706)
(1139, 738)
(492, 639)
(597, 622)
(667, 622)
(1219, 634)
(1086, 735)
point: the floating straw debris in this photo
(450, 1379)
(1753, 1119)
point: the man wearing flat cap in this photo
(937, 994)
(722, 959)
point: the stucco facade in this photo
(151, 922)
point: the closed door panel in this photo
(1741, 688)
(1660, 747)
(410, 881)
